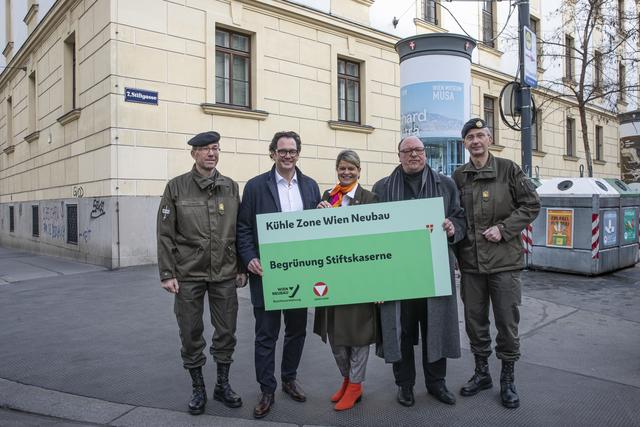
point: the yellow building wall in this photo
(63, 156)
(294, 63)
(120, 148)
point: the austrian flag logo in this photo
(320, 289)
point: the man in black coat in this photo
(283, 189)
(436, 319)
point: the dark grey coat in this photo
(443, 336)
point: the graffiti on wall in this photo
(53, 223)
(78, 192)
(98, 209)
(85, 235)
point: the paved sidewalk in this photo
(80, 344)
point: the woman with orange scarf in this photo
(350, 328)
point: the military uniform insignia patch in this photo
(485, 195)
(221, 208)
(165, 213)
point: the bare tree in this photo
(596, 50)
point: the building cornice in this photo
(47, 25)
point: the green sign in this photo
(630, 226)
(366, 253)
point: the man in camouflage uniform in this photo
(197, 255)
(499, 202)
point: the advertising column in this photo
(435, 94)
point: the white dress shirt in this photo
(346, 198)
(289, 193)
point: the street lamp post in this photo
(525, 92)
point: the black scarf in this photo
(395, 185)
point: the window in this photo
(597, 70)
(622, 77)
(35, 221)
(536, 129)
(70, 73)
(487, 23)
(233, 68)
(348, 91)
(534, 24)
(72, 224)
(490, 115)
(430, 11)
(12, 221)
(9, 121)
(568, 57)
(571, 137)
(32, 103)
(599, 143)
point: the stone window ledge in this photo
(496, 147)
(70, 116)
(31, 13)
(570, 158)
(33, 136)
(489, 49)
(10, 149)
(350, 127)
(365, 2)
(538, 153)
(242, 113)
(421, 23)
(7, 49)
(599, 162)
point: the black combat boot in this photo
(199, 394)
(223, 391)
(481, 379)
(508, 391)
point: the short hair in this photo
(402, 140)
(284, 134)
(348, 156)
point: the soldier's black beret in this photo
(204, 138)
(475, 123)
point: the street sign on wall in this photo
(140, 96)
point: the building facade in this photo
(100, 96)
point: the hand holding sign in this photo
(355, 254)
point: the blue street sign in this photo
(140, 96)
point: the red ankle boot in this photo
(352, 395)
(338, 394)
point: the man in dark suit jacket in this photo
(283, 189)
